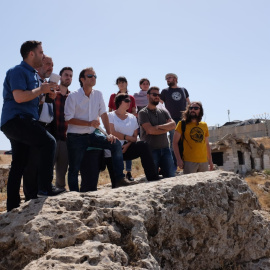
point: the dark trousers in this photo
(30, 174)
(77, 145)
(90, 168)
(109, 165)
(23, 133)
(142, 150)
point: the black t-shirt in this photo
(175, 100)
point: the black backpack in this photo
(181, 141)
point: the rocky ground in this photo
(201, 221)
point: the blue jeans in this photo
(24, 133)
(128, 165)
(163, 160)
(77, 145)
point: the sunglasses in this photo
(194, 108)
(127, 100)
(155, 95)
(91, 76)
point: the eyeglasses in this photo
(168, 78)
(154, 95)
(127, 100)
(91, 76)
(194, 108)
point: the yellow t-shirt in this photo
(194, 142)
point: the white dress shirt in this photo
(45, 115)
(79, 106)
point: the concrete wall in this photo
(247, 161)
(266, 162)
(253, 131)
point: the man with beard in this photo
(61, 155)
(197, 151)
(19, 122)
(176, 100)
(154, 125)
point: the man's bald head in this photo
(47, 67)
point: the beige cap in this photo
(172, 74)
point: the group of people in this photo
(49, 126)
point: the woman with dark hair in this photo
(124, 126)
(197, 152)
(141, 97)
(122, 83)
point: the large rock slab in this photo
(200, 221)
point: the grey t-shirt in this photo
(154, 117)
(175, 100)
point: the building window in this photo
(240, 158)
(252, 163)
(217, 158)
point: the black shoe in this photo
(155, 179)
(56, 191)
(129, 176)
(123, 182)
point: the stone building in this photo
(241, 147)
(239, 155)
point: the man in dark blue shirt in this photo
(19, 122)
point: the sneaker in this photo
(62, 189)
(56, 191)
(42, 194)
(129, 176)
(123, 182)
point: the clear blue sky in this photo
(219, 49)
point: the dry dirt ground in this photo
(259, 182)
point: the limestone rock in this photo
(199, 221)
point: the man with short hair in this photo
(176, 99)
(82, 111)
(19, 122)
(197, 151)
(154, 124)
(61, 155)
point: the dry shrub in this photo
(257, 185)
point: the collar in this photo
(83, 93)
(27, 66)
(153, 111)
